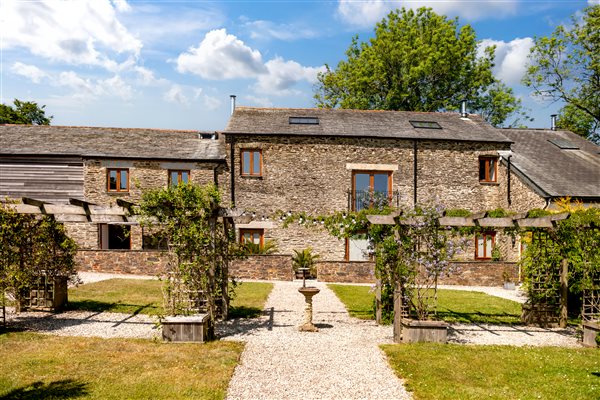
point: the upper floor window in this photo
(488, 169)
(251, 162)
(484, 244)
(117, 179)
(371, 189)
(178, 176)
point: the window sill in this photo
(251, 176)
(117, 193)
(489, 183)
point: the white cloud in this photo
(121, 5)
(175, 95)
(29, 71)
(258, 101)
(366, 13)
(266, 29)
(511, 58)
(116, 86)
(221, 56)
(282, 75)
(212, 103)
(594, 2)
(146, 77)
(82, 32)
(82, 88)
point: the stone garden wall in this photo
(346, 271)
(139, 262)
(264, 267)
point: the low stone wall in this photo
(276, 267)
(482, 273)
(141, 262)
(346, 271)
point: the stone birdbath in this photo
(308, 292)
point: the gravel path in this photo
(515, 295)
(341, 361)
(86, 323)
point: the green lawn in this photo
(37, 366)
(134, 296)
(496, 372)
(453, 305)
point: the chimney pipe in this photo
(232, 97)
(553, 122)
(463, 109)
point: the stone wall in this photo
(472, 273)
(482, 273)
(314, 174)
(122, 261)
(264, 267)
(523, 198)
(346, 271)
(143, 175)
(85, 234)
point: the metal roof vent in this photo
(553, 122)
(463, 109)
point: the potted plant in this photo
(508, 282)
(305, 258)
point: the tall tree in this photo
(566, 67)
(417, 61)
(24, 112)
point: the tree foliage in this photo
(201, 243)
(24, 112)
(565, 66)
(30, 247)
(417, 61)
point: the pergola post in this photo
(564, 292)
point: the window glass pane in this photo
(112, 180)
(480, 247)
(362, 186)
(123, 185)
(482, 170)
(488, 246)
(173, 177)
(256, 238)
(492, 170)
(246, 162)
(256, 163)
(185, 176)
(247, 238)
(380, 183)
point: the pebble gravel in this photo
(341, 361)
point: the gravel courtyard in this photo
(342, 360)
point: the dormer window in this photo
(304, 121)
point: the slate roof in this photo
(90, 142)
(361, 123)
(556, 172)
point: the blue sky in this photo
(173, 64)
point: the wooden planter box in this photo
(590, 331)
(540, 315)
(415, 331)
(47, 294)
(185, 328)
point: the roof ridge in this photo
(347, 110)
(107, 128)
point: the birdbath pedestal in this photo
(308, 292)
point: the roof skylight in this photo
(425, 124)
(304, 120)
(563, 144)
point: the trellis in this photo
(123, 213)
(591, 291)
(549, 287)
